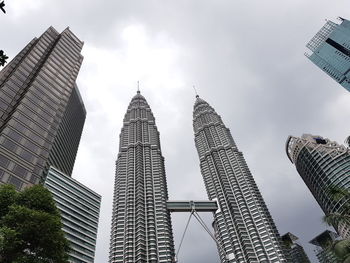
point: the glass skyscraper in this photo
(79, 207)
(141, 225)
(66, 143)
(244, 228)
(41, 120)
(38, 95)
(331, 51)
(322, 164)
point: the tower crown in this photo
(138, 96)
(199, 101)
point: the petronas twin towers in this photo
(141, 224)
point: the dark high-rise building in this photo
(331, 51)
(38, 96)
(294, 252)
(322, 243)
(141, 225)
(322, 164)
(243, 225)
(65, 146)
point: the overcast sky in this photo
(246, 58)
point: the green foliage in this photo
(340, 248)
(30, 227)
(9, 241)
(38, 198)
(3, 58)
(8, 197)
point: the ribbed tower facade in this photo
(243, 225)
(35, 89)
(141, 225)
(323, 164)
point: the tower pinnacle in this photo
(138, 87)
(195, 91)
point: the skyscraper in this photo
(322, 244)
(141, 225)
(37, 96)
(331, 51)
(294, 251)
(65, 146)
(322, 164)
(80, 208)
(243, 225)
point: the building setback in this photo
(295, 253)
(35, 89)
(243, 225)
(79, 207)
(141, 225)
(331, 51)
(322, 164)
(66, 143)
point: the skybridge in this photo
(190, 206)
(193, 207)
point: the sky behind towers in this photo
(246, 58)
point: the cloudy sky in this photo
(246, 58)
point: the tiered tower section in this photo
(244, 228)
(141, 224)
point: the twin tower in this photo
(141, 224)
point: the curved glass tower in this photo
(141, 225)
(243, 225)
(322, 163)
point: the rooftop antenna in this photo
(195, 91)
(138, 87)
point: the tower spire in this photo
(195, 91)
(138, 87)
